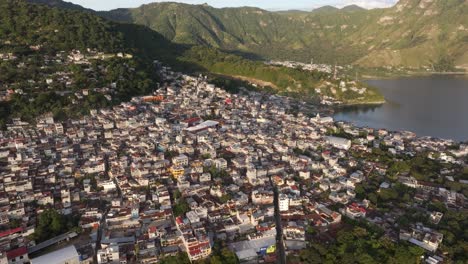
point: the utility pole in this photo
(334, 74)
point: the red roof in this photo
(204, 244)
(196, 247)
(11, 231)
(357, 207)
(194, 252)
(17, 252)
(192, 120)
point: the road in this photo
(280, 250)
(102, 224)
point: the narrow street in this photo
(99, 234)
(280, 250)
(102, 223)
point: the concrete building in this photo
(283, 202)
(340, 143)
(67, 255)
(109, 254)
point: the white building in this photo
(19, 255)
(108, 186)
(181, 160)
(340, 143)
(221, 164)
(283, 203)
(109, 254)
(67, 255)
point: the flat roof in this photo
(204, 125)
(52, 241)
(58, 256)
(246, 254)
(338, 140)
(255, 244)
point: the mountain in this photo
(37, 75)
(413, 33)
(38, 72)
(63, 5)
(325, 9)
(251, 31)
(352, 8)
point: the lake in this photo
(435, 106)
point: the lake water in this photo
(434, 106)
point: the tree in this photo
(311, 230)
(50, 223)
(181, 207)
(225, 198)
(180, 258)
(14, 223)
(223, 255)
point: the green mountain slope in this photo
(63, 5)
(413, 33)
(38, 72)
(249, 30)
(37, 75)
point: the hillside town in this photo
(58, 71)
(192, 166)
(306, 66)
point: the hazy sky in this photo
(265, 4)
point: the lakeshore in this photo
(429, 106)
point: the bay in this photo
(435, 106)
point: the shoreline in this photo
(374, 103)
(411, 74)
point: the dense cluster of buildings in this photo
(51, 78)
(190, 165)
(305, 66)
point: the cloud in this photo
(368, 3)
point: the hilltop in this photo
(39, 74)
(413, 33)
(67, 62)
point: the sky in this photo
(265, 4)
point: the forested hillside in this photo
(413, 33)
(40, 74)
(65, 62)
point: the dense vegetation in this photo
(41, 38)
(51, 223)
(22, 25)
(220, 255)
(401, 198)
(36, 34)
(282, 80)
(40, 98)
(409, 34)
(359, 243)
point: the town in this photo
(192, 166)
